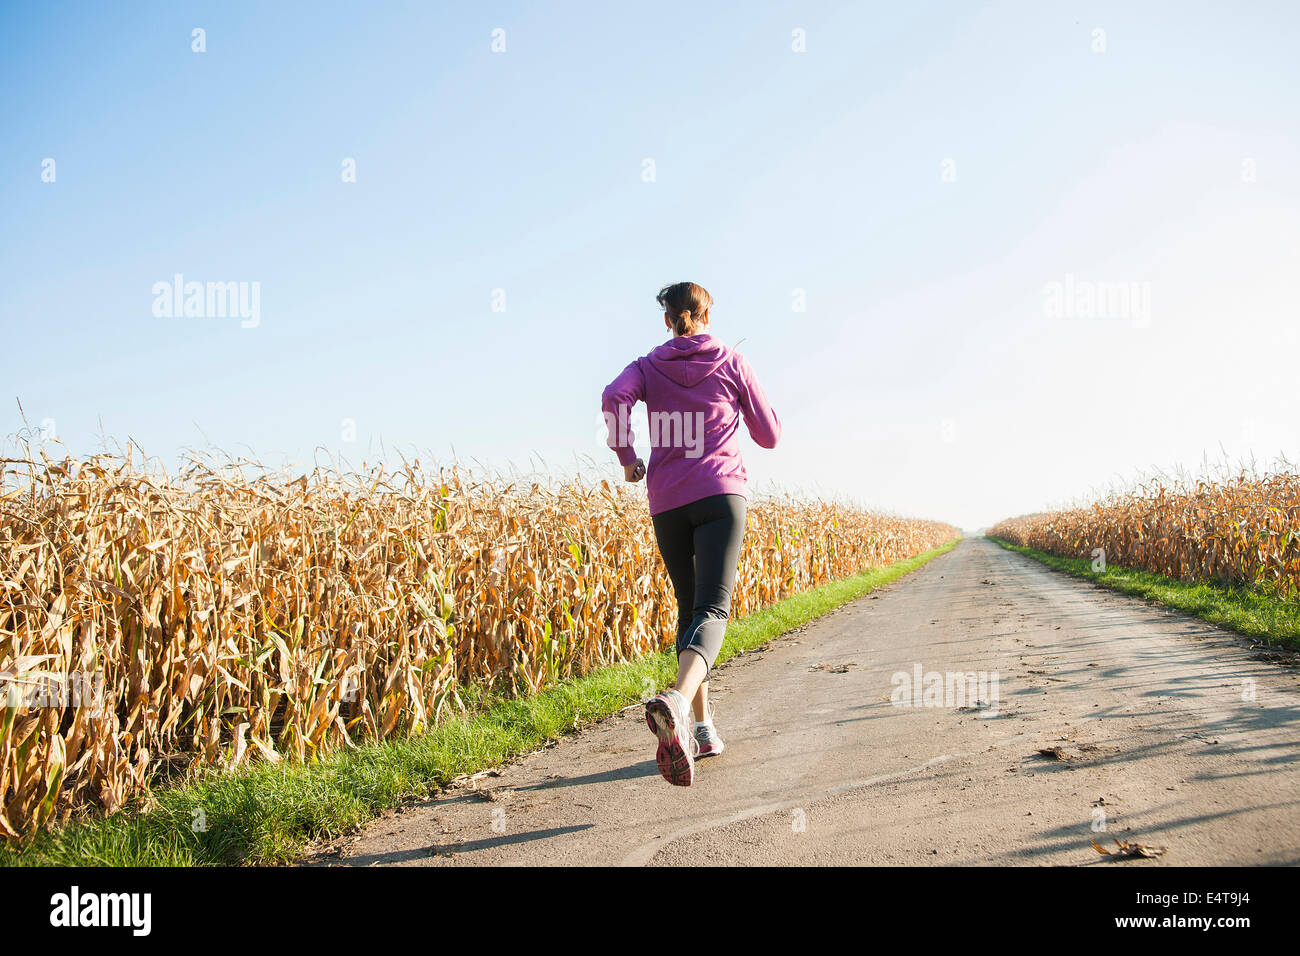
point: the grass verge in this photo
(1243, 610)
(267, 813)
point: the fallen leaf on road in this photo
(836, 669)
(1276, 657)
(1128, 849)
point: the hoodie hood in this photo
(689, 359)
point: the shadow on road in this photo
(469, 846)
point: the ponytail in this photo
(686, 303)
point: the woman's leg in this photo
(719, 533)
(700, 703)
(675, 536)
(692, 675)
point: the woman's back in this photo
(696, 392)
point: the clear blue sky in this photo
(774, 171)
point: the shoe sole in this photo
(675, 762)
(710, 752)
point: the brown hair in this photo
(686, 302)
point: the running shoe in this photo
(706, 735)
(669, 717)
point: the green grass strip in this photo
(267, 813)
(1243, 610)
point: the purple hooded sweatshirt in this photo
(696, 390)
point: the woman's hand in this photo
(634, 471)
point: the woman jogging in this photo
(696, 390)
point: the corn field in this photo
(1241, 531)
(154, 626)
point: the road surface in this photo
(1167, 732)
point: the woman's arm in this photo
(764, 427)
(616, 402)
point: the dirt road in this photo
(1159, 742)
